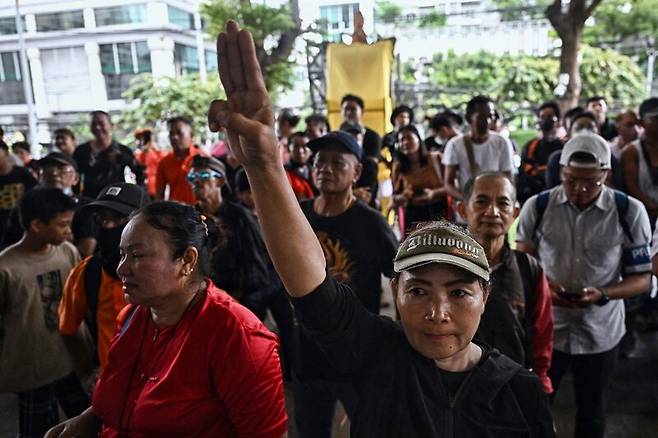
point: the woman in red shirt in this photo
(187, 360)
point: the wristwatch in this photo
(605, 299)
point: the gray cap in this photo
(589, 143)
(443, 244)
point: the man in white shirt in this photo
(481, 150)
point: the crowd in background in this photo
(587, 216)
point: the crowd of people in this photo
(134, 283)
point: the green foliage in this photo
(521, 82)
(265, 23)
(149, 101)
(616, 20)
(433, 19)
(388, 12)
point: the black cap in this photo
(399, 110)
(337, 138)
(124, 198)
(211, 163)
(59, 159)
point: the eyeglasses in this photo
(586, 184)
(57, 171)
(204, 175)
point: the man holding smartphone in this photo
(593, 244)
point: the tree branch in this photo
(590, 9)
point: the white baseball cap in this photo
(589, 143)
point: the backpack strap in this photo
(540, 208)
(470, 153)
(435, 159)
(92, 283)
(621, 201)
(530, 276)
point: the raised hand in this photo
(247, 113)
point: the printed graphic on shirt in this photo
(338, 259)
(10, 194)
(50, 287)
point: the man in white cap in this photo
(593, 243)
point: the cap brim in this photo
(323, 142)
(115, 206)
(425, 259)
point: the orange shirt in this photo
(73, 307)
(172, 172)
(150, 160)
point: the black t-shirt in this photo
(105, 168)
(401, 393)
(12, 187)
(368, 179)
(359, 246)
(372, 144)
(239, 259)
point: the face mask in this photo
(108, 245)
(547, 125)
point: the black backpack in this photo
(621, 201)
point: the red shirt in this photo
(301, 187)
(150, 160)
(214, 374)
(172, 172)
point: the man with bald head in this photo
(517, 319)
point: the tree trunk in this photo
(569, 27)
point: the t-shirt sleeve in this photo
(246, 373)
(73, 306)
(450, 157)
(347, 333)
(526, 228)
(506, 163)
(636, 252)
(654, 243)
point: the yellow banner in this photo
(363, 70)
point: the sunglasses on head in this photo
(203, 175)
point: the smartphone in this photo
(570, 295)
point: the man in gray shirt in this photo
(593, 244)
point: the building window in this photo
(60, 21)
(180, 18)
(120, 15)
(211, 61)
(8, 25)
(120, 62)
(186, 59)
(11, 79)
(338, 19)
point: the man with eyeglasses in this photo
(593, 244)
(359, 247)
(59, 171)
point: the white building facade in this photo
(82, 54)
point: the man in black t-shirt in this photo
(534, 159)
(352, 108)
(59, 171)
(359, 247)
(14, 182)
(103, 161)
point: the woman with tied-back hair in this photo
(187, 360)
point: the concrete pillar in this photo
(96, 79)
(38, 85)
(162, 56)
(157, 14)
(89, 18)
